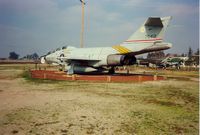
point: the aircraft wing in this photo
(67, 59)
(80, 61)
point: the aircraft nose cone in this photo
(42, 60)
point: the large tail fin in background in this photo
(151, 31)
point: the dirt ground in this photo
(54, 112)
(66, 107)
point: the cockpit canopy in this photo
(49, 52)
(58, 49)
(64, 47)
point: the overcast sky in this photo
(28, 26)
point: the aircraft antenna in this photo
(82, 24)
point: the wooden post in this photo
(73, 77)
(108, 78)
(35, 66)
(155, 77)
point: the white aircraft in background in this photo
(148, 38)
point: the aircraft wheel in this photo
(112, 70)
(60, 69)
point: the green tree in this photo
(190, 52)
(13, 56)
(33, 56)
(197, 52)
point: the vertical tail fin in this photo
(152, 30)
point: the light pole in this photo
(82, 24)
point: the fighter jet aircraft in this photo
(163, 62)
(172, 62)
(148, 38)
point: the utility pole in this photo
(82, 24)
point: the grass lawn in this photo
(77, 107)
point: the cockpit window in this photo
(64, 47)
(58, 49)
(49, 53)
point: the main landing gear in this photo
(112, 70)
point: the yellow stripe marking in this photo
(117, 49)
(125, 49)
(121, 49)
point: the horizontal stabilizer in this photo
(154, 22)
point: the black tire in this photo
(111, 71)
